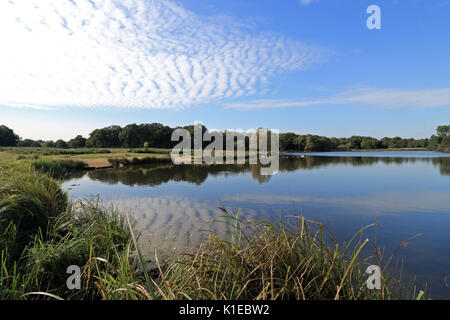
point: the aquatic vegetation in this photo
(262, 260)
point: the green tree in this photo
(355, 142)
(443, 131)
(369, 143)
(25, 143)
(7, 137)
(104, 138)
(130, 136)
(311, 144)
(157, 135)
(49, 144)
(61, 144)
(78, 142)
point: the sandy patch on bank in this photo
(94, 163)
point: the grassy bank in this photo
(91, 157)
(42, 233)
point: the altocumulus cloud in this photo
(133, 53)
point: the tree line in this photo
(156, 135)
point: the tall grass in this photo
(262, 260)
(28, 201)
(58, 168)
(95, 238)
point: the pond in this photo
(407, 193)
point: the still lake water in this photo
(408, 193)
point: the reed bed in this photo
(58, 168)
(262, 260)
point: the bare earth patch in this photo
(95, 163)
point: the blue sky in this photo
(68, 67)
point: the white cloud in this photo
(132, 53)
(366, 97)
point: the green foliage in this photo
(130, 137)
(77, 142)
(25, 143)
(313, 143)
(441, 141)
(58, 168)
(28, 200)
(49, 144)
(150, 151)
(61, 144)
(156, 135)
(7, 137)
(95, 238)
(41, 235)
(87, 235)
(443, 131)
(261, 260)
(104, 138)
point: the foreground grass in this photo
(263, 260)
(42, 234)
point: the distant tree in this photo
(36, 144)
(397, 142)
(311, 144)
(355, 142)
(78, 142)
(7, 137)
(369, 143)
(158, 135)
(287, 141)
(61, 144)
(385, 142)
(443, 131)
(49, 144)
(25, 143)
(130, 136)
(104, 138)
(299, 143)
